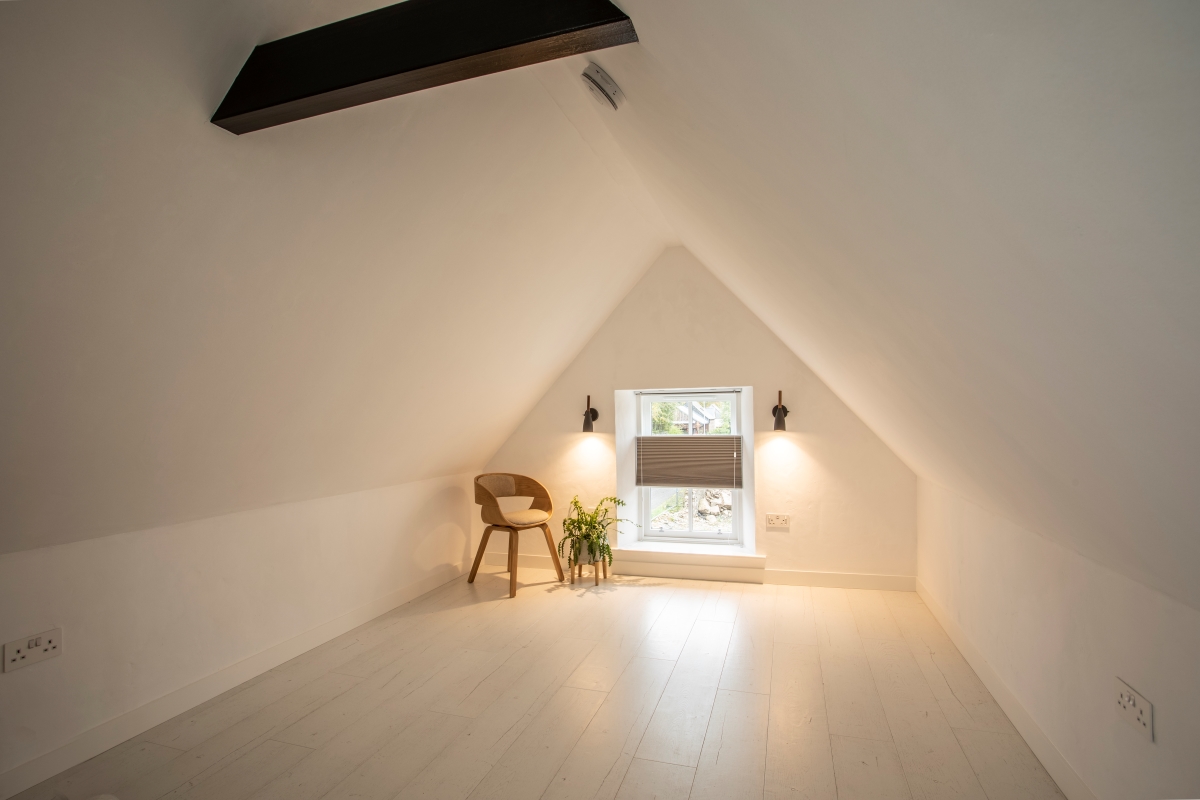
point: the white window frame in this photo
(645, 428)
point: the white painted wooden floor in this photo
(639, 688)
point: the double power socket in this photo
(32, 649)
(1135, 709)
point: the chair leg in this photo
(508, 557)
(512, 561)
(596, 572)
(553, 552)
(487, 532)
(604, 564)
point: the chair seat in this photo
(529, 516)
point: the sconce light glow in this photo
(591, 452)
(780, 411)
(586, 464)
(782, 461)
(589, 416)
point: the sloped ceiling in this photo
(193, 323)
(979, 223)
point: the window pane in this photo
(712, 416)
(668, 509)
(714, 510)
(696, 415)
(668, 418)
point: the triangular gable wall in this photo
(852, 502)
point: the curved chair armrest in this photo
(483, 497)
(528, 487)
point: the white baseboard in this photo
(746, 568)
(659, 566)
(842, 580)
(108, 734)
(1055, 763)
(705, 567)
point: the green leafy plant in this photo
(587, 531)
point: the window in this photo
(708, 510)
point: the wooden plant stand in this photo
(577, 569)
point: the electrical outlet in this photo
(778, 521)
(32, 649)
(1135, 709)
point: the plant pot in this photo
(583, 556)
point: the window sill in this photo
(722, 555)
(712, 562)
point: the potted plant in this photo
(585, 539)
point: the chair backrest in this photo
(491, 485)
(500, 484)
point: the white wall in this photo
(194, 323)
(976, 222)
(146, 615)
(852, 501)
(1057, 628)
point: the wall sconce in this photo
(779, 412)
(591, 415)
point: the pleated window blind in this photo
(713, 462)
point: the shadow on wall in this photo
(439, 532)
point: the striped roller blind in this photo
(698, 461)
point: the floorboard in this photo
(799, 760)
(851, 697)
(676, 731)
(654, 780)
(733, 761)
(606, 747)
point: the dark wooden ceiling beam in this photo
(407, 47)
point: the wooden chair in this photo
(491, 485)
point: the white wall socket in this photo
(1135, 709)
(32, 649)
(778, 521)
